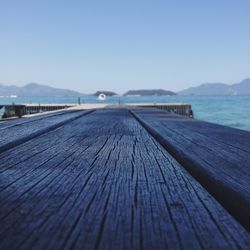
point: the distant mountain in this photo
(34, 89)
(242, 88)
(6, 90)
(149, 92)
(107, 93)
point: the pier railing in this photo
(176, 108)
(19, 110)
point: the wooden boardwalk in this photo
(99, 180)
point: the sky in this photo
(89, 45)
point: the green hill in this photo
(149, 92)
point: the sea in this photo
(232, 111)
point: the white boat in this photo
(13, 96)
(102, 97)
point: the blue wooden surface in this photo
(101, 181)
(217, 156)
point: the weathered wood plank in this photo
(217, 156)
(17, 122)
(106, 183)
(19, 133)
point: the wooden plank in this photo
(19, 133)
(106, 183)
(13, 157)
(217, 156)
(17, 122)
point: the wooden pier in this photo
(175, 108)
(123, 178)
(19, 110)
(27, 109)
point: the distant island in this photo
(39, 90)
(36, 90)
(242, 88)
(149, 92)
(107, 93)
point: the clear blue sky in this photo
(120, 45)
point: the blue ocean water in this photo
(233, 111)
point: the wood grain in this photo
(217, 156)
(18, 132)
(102, 182)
